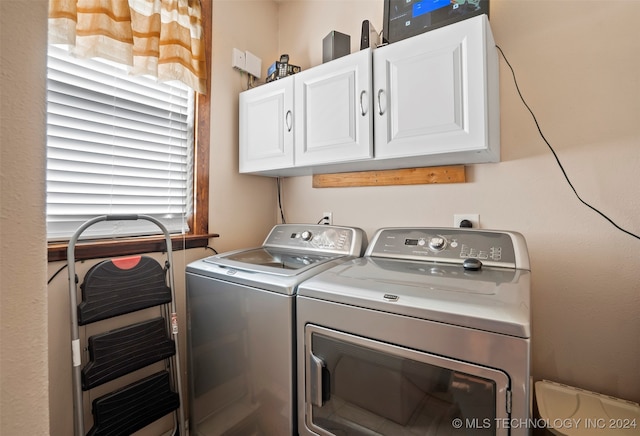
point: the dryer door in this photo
(358, 386)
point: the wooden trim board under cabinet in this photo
(406, 176)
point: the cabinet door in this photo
(333, 111)
(437, 93)
(266, 127)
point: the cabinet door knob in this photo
(380, 92)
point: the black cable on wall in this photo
(564, 173)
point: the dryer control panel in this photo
(469, 247)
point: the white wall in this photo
(24, 397)
(577, 64)
(241, 207)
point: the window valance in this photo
(161, 38)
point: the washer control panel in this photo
(329, 239)
(452, 245)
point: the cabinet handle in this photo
(380, 111)
(363, 108)
(288, 121)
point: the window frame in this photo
(198, 235)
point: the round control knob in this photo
(437, 243)
(306, 235)
(472, 264)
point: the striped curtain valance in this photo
(160, 38)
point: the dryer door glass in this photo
(358, 386)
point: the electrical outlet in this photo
(474, 218)
(327, 218)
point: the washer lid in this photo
(283, 277)
(271, 260)
(491, 299)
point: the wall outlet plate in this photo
(327, 218)
(473, 217)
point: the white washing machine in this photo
(241, 328)
(427, 334)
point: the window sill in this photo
(127, 246)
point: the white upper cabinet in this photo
(432, 99)
(266, 127)
(333, 111)
(437, 96)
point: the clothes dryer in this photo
(427, 334)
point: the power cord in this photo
(324, 220)
(279, 187)
(56, 273)
(564, 173)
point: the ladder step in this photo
(133, 407)
(118, 352)
(109, 290)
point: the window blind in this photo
(116, 144)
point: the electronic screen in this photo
(405, 18)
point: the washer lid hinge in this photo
(508, 401)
